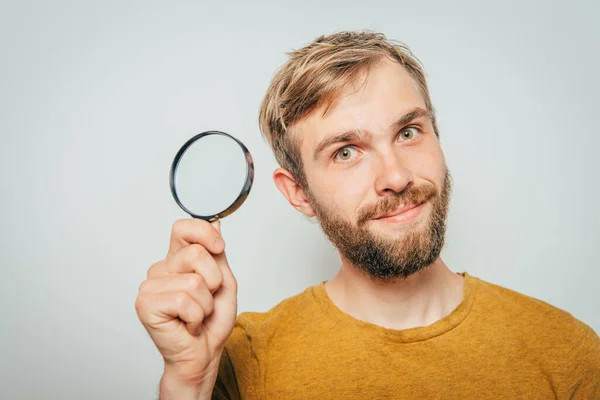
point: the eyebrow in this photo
(358, 135)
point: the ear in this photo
(292, 191)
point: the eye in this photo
(345, 153)
(408, 133)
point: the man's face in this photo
(387, 157)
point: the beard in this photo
(390, 258)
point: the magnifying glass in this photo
(211, 175)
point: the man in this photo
(351, 123)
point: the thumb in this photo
(217, 224)
(221, 258)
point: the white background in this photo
(96, 98)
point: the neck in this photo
(419, 300)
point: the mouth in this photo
(406, 213)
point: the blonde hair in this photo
(315, 75)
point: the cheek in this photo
(430, 163)
(343, 192)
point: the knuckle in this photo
(152, 271)
(181, 300)
(139, 305)
(143, 287)
(201, 314)
(212, 276)
(195, 282)
(195, 252)
(178, 227)
(197, 314)
(209, 306)
(218, 277)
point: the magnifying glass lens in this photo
(211, 175)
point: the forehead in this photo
(378, 99)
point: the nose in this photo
(391, 175)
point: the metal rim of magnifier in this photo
(245, 189)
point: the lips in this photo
(400, 210)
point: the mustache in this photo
(412, 194)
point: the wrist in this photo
(173, 387)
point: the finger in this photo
(155, 270)
(193, 284)
(155, 309)
(195, 258)
(192, 258)
(194, 230)
(224, 299)
(228, 282)
(217, 225)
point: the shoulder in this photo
(242, 361)
(290, 310)
(570, 343)
(521, 307)
(289, 317)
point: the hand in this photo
(188, 304)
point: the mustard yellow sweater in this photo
(497, 344)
